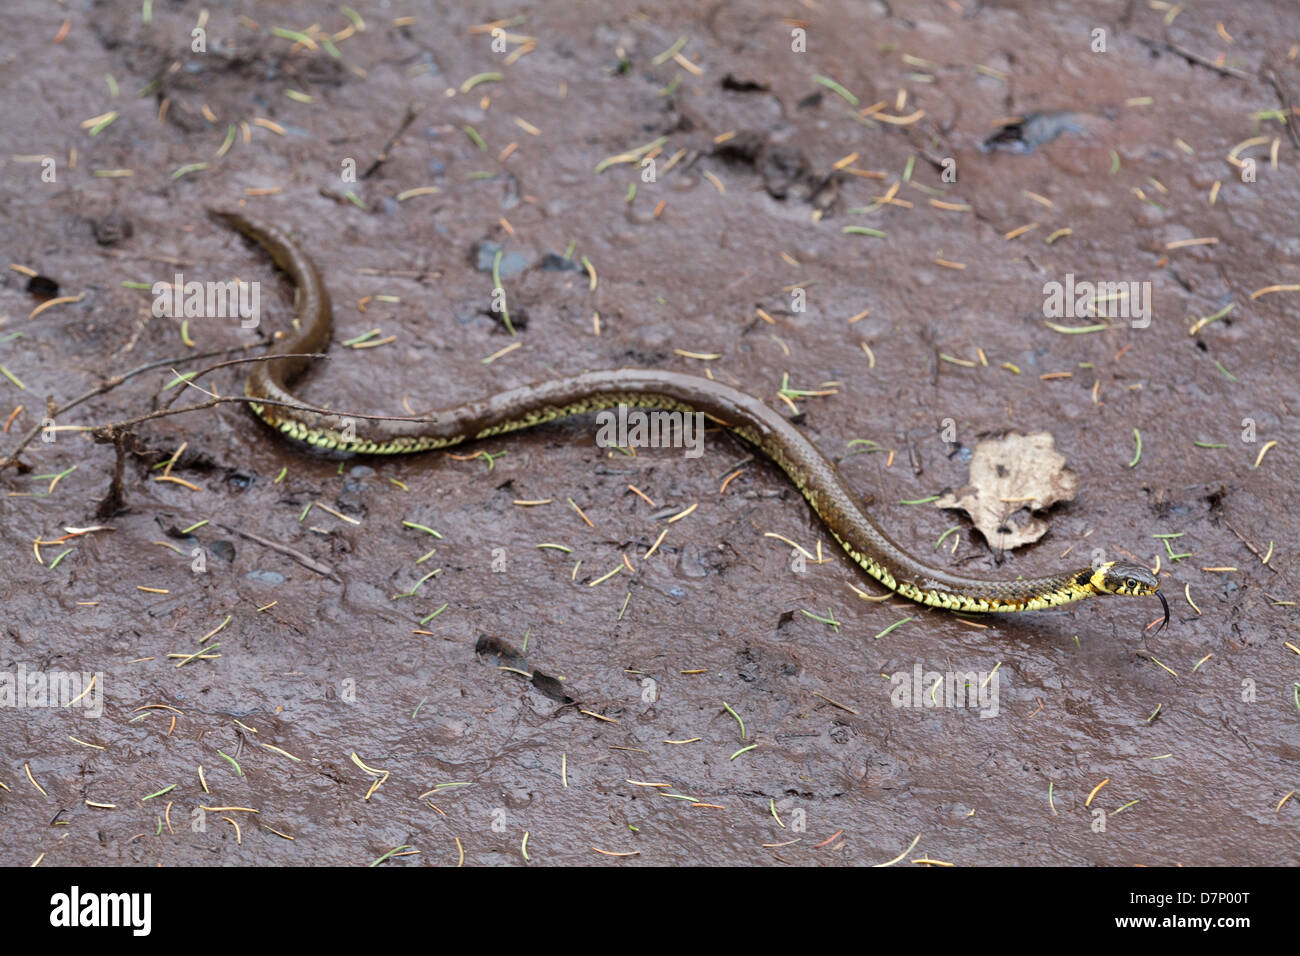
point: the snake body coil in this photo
(815, 477)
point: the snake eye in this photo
(1130, 584)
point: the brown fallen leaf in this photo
(1010, 474)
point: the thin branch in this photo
(412, 111)
(1195, 58)
(1253, 550)
(108, 427)
(107, 386)
(243, 361)
(307, 562)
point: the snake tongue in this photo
(1165, 604)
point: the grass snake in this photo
(811, 472)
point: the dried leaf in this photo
(1011, 474)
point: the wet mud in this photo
(595, 680)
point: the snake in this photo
(811, 472)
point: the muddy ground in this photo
(1113, 744)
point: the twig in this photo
(309, 563)
(127, 423)
(243, 361)
(114, 499)
(107, 431)
(1253, 550)
(1196, 58)
(106, 386)
(411, 113)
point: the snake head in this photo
(1132, 580)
